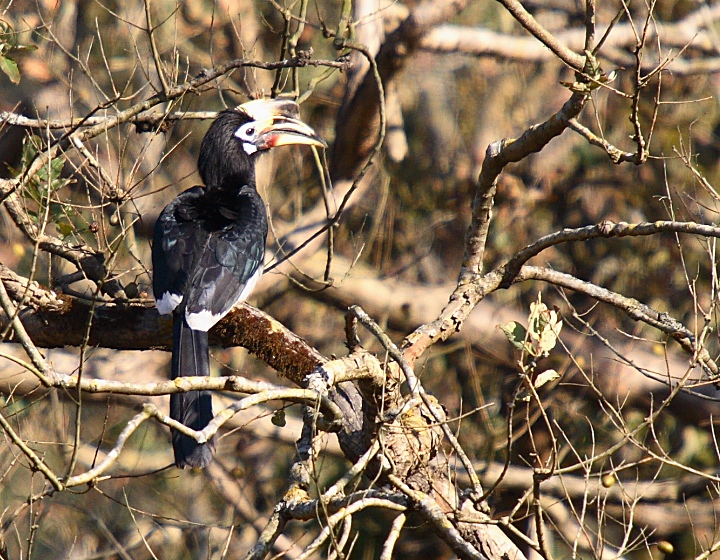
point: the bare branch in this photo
(572, 59)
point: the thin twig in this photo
(432, 512)
(573, 60)
(42, 369)
(394, 534)
(94, 474)
(37, 462)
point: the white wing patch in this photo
(202, 320)
(167, 303)
(250, 286)
(205, 320)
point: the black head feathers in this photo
(238, 135)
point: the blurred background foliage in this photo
(94, 58)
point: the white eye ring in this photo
(246, 133)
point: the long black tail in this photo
(190, 356)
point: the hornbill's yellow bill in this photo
(274, 122)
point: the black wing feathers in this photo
(174, 244)
(211, 246)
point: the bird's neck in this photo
(230, 194)
(234, 181)
(227, 170)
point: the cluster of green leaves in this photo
(43, 187)
(536, 340)
(9, 45)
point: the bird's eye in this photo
(246, 132)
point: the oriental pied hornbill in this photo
(209, 245)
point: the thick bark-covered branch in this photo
(56, 320)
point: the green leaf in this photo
(515, 333)
(545, 377)
(278, 419)
(30, 150)
(56, 167)
(10, 68)
(8, 37)
(549, 336)
(65, 228)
